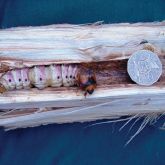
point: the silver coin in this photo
(144, 67)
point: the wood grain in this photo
(104, 49)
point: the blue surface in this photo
(70, 144)
(41, 12)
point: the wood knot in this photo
(143, 42)
(4, 68)
(162, 33)
(148, 46)
(2, 89)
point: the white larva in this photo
(39, 77)
(7, 81)
(65, 76)
(54, 75)
(25, 78)
(17, 78)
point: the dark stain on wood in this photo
(107, 73)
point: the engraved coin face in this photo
(144, 67)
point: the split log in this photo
(103, 48)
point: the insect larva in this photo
(39, 76)
(69, 73)
(54, 75)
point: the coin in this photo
(144, 67)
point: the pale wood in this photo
(29, 46)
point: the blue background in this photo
(69, 144)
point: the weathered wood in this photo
(112, 106)
(27, 46)
(104, 49)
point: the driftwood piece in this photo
(103, 48)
